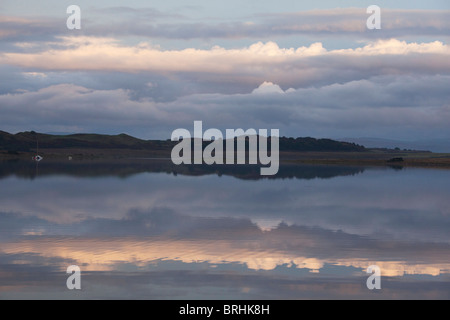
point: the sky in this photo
(305, 68)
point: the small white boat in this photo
(37, 158)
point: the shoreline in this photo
(369, 158)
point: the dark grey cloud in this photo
(349, 22)
(388, 106)
(153, 23)
(18, 29)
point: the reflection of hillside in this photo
(125, 168)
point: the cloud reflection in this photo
(296, 236)
(160, 234)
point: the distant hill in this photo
(27, 142)
(433, 145)
(311, 144)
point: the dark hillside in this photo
(27, 142)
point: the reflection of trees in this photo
(125, 168)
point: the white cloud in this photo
(106, 54)
(397, 47)
(268, 88)
(236, 70)
(35, 74)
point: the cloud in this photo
(123, 229)
(393, 85)
(352, 22)
(24, 29)
(162, 235)
(218, 69)
(398, 105)
(386, 86)
(160, 204)
(106, 54)
(153, 23)
(268, 88)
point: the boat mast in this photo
(37, 157)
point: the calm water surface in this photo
(144, 230)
